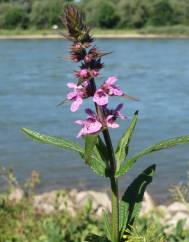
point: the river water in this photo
(33, 77)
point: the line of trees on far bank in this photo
(42, 14)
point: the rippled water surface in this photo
(33, 77)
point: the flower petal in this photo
(117, 92)
(94, 127)
(80, 122)
(111, 80)
(71, 95)
(121, 116)
(113, 125)
(119, 107)
(100, 97)
(71, 85)
(80, 133)
(75, 105)
(90, 112)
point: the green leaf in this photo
(90, 142)
(98, 161)
(179, 230)
(123, 144)
(96, 238)
(130, 203)
(101, 150)
(107, 225)
(96, 164)
(160, 146)
(53, 140)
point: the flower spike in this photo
(78, 31)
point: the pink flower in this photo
(78, 46)
(107, 89)
(100, 97)
(112, 115)
(90, 126)
(78, 94)
(95, 73)
(83, 73)
(88, 58)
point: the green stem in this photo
(115, 210)
(114, 188)
(113, 180)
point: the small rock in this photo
(147, 204)
(178, 216)
(47, 197)
(73, 193)
(16, 195)
(98, 199)
(162, 209)
(100, 212)
(69, 207)
(177, 206)
(47, 208)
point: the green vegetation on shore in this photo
(121, 17)
(173, 31)
(22, 221)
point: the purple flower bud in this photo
(112, 115)
(88, 58)
(83, 73)
(95, 73)
(77, 52)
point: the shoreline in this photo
(97, 36)
(74, 200)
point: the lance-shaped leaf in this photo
(53, 140)
(96, 238)
(123, 144)
(96, 164)
(130, 203)
(90, 142)
(107, 225)
(101, 150)
(160, 146)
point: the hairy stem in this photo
(113, 180)
(114, 188)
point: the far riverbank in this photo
(124, 36)
(175, 32)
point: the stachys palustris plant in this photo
(98, 151)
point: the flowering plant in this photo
(98, 152)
